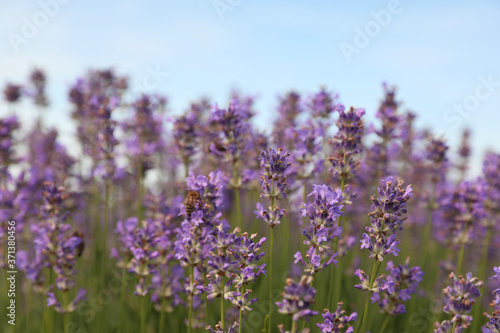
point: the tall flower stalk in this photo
(273, 180)
(346, 145)
(460, 295)
(386, 217)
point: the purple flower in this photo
(386, 218)
(336, 321)
(406, 281)
(463, 211)
(347, 143)
(459, 298)
(186, 135)
(379, 284)
(493, 325)
(326, 207)
(273, 167)
(55, 249)
(288, 110)
(218, 328)
(297, 299)
(12, 93)
(38, 81)
(438, 162)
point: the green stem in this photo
(222, 316)
(482, 274)
(384, 325)
(294, 326)
(336, 273)
(66, 315)
(428, 226)
(454, 325)
(239, 220)
(190, 316)
(236, 185)
(162, 316)
(460, 259)
(367, 299)
(143, 314)
(139, 191)
(120, 306)
(240, 322)
(105, 233)
(271, 280)
(271, 266)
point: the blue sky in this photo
(439, 54)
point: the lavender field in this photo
(198, 220)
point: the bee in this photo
(81, 246)
(193, 197)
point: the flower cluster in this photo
(56, 249)
(219, 329)
(305, 159)
(493, 326)
(273, 180)
(386, 218)
(186, 134)
(144, 131)
(336, 321)
(459, 298)
(380, 284)
(491, 174)
(322, 213)
(406, 281)
(289, 108)
(347, 143)
(12, 93)
(8, 126)
(438, 162)
(38, 81)
(463, 212)
(147, 250)
(298, 298)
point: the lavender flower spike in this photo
(386, 218)
(493, 325)
(459, 297)
(336, 321)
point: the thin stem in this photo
(271, 281)
(162, 316)
(240, 322)
(336, 273)
(120, 306)
(384, 325)
(367, 299)
(237, 196)
(460, 259)
(190, 316)
(66, 315)
(271, 265)
(294, 326)
(143, 314)
(428, 225)
(222, 305)
(105, 233)
(482, 274)
(139, 190)
(454, 325)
